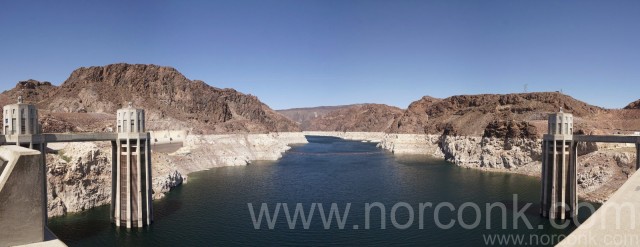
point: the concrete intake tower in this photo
(131, 203)
(559, 157)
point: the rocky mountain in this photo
(364, 117)
(415, 117)
(471, 114)
(171, 100)
(31, 90)
(633, 105)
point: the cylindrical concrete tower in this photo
(20, 125)
(20, 119)
(131, 201)
(558, 194)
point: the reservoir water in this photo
(212, 208)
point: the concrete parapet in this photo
(22, 197)
(615, 223)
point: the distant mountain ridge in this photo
(303, 115)
(360, 117)
(520, 115)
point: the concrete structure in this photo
(559, 185)
(23, 198)
(558, 196)
(20, 119)
(131, 206)
(616, 223)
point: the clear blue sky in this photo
(309, 53)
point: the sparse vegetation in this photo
(63, 156)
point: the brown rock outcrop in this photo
(415, 118)
(633, 105)
(31, 90)
(510, 129)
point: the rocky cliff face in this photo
(516, 155)
(510, 130)
(79, 178)
(415, 118)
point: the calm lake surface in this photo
(212, 208)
